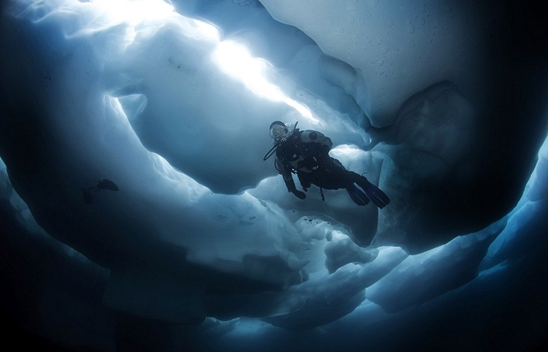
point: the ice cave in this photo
(138, 214)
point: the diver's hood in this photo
(291, 127)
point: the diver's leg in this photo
(346, 179)
(335, 173)
(335, 176)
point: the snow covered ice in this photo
(196, 244)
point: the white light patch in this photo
(207, 30)
(135, 11)
(235, 60)
(232, 57)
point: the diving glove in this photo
(298, 194)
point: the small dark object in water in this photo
(107, 184)
(102, 184)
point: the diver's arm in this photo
(290, 184)
(288, 180)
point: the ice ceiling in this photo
(199, 246)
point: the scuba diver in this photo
(306, 153)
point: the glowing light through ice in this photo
(134, 11)
(207, 30)
(235, 60)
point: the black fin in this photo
(378, 197)
(357, 195)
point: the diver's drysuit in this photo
(306, 153)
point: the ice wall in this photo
(394, 47)
(201, 229)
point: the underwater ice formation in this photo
(133, 133)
